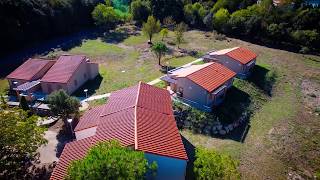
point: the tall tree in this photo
(151, 27)
(220, 19)
(110, 160)
(140, 10)
(62, 104)
(159, 49)
(179, 31)
(105, 15)
(20, 138)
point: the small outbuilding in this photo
(201, 86)
(239, 59)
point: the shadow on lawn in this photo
(116, 36)
(91, 85)
(263, 78)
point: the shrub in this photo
(110, 160)
(210, 164)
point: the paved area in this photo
(48, 151)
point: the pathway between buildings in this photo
(153, 82)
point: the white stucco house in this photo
(239, 59)
(140, 117)
(201, 86)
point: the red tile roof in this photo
(72, 151)
(63, 69)
(139, 116)
(242, 55)
(89, 119)
(211, 77)
(29, 69)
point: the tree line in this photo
(292, 23)
(28, 21)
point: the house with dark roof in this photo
(140, 117)
(201, 86)
(69, 73)
(238, 59)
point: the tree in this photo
(62, 104)
(151, 27)
(164, 33)
(169, 22)
(220, 19)
(140, 10)
(194, 14)
(110, 160)
(159, 49)
(20, 138)
(179, 31)
(105, 15)
(23, 103)
(209, 164)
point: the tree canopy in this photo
(20, 138)
(151, 27)
(159, 49)
(210, 164)
(179, 32)
(62, 104)
(110, 160)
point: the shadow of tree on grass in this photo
(263, 78)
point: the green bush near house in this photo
(110, 160)
(211, 165)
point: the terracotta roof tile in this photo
(212, 77)
(118, 126)
(63, 69)
(89, 119)
(142, 118)
(120, 100)
(157, 133)
(29, 69)
(242, 55)
(72, 151)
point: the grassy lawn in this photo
(161, 84)
(179, 61)
(96, 48)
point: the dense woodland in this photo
(292, 24)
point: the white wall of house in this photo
(85, 133)
(168, 168)
(232, 64)
(192, 91)
(93, 70)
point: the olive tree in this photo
(151, 27)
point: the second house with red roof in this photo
(239, 59)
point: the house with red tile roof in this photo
(201, 86)
(140, 117)
(69, 73)
(31, 70)
(239, 59)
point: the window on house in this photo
(75, 82)
(59, 87)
